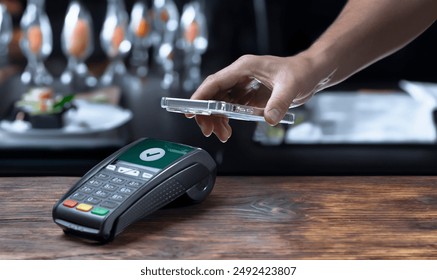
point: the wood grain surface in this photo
(243, 218)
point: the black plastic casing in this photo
(188, 180)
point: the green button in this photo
(100, 211)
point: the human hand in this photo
(283, 83)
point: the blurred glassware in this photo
(36, 43)
(114, 40)
(77, 44)
(166, 22)
(5, 34)
(194, 41)
(166, 57)
(140, 31)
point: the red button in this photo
(70, 203)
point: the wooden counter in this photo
(243, 218)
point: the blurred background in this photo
(116, 59)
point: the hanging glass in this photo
(114, 40)
(194, 42)
(140, 30)
(5, 34)
(36, 43)
(166, 22)
(77, 44)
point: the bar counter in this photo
(337, 217)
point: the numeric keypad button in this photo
(126, 190)
(109, 187)
(86, 189)
(92, 200)
(78, 196)
(102, 176)
(94, 182)
(109, 204)
(133, 184)
(118, 197)
(117, 180)
(101, 193)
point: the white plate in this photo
(88, 118)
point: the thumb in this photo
(278, 104)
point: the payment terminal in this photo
(135, 181)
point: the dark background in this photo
(292, 27)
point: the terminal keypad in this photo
(106, 190)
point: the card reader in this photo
(135, 181)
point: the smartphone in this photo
(214, 107)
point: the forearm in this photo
(366, 31)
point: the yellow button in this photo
(84, 207)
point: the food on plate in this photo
(43, 109)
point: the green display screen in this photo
(155, 153)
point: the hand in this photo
(285, 82)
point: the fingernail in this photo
(204, 132)
(223, 134)
(274, 116)
(223, 140)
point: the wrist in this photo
(322, 66)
